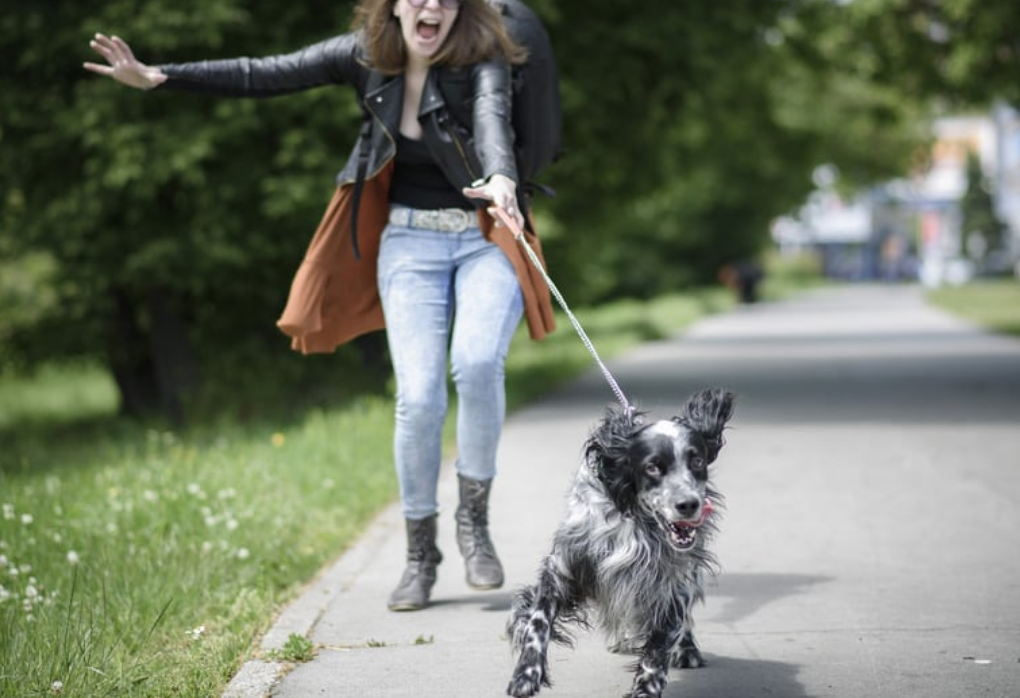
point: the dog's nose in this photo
(688, 507)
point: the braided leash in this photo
(511, 223)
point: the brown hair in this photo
(478, 34)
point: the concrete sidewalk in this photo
(870, 546)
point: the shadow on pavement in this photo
(727, 677)
(745, 593)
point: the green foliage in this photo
(162, 229)
(962, 51)
(202, 205)
(983, 230)
(690, 126)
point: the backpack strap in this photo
(364, 150)
(374, 82)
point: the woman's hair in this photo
(478, 34)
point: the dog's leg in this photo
(531, 626)
(651, 671)
(687, 655)
(663, 647)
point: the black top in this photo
(418, 182)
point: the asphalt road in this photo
(871, 543)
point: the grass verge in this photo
(141, 561)
(991, 303)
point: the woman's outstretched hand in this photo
(501, 191)
(122, 65)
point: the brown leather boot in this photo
(484, 570)
(423, 557)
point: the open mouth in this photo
(427, 29)
(683, 534)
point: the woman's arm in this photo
(121, 64)
(494, 136)
(332, 61)
(491, 128)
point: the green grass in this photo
(141, 561)
(992, 303)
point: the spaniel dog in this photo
(633, 548)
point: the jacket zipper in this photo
(445, 120)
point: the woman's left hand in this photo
(502, 192)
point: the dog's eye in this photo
(697, 463)
(653, 468)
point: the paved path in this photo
(871, 545)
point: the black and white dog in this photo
(631, 553)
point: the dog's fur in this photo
(631, 553)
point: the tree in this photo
(169, 225)
(690, 126)
(964, 52)
(983, 230)
(176, 221)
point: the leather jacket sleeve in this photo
(491, 124)
(475, 144)
(333, 61)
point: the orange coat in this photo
(334, 297)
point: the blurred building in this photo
(910, 228)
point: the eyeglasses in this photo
(445, 4)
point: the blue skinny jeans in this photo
(448, 298)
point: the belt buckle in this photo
(458, 220)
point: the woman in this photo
(406, 242)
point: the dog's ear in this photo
(607, 451)
(707, 413)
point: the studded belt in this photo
(444, 220)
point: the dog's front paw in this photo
(687, 656)
(526, 682)
(652, 691)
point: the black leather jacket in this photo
(464, 113)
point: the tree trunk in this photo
(151, 357)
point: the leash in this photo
(511, 223)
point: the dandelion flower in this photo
(57, 687)
(278, 439)
(243, 554)
(27, 519)
(9, 512)
(72, 557)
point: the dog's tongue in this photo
(706, 511)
